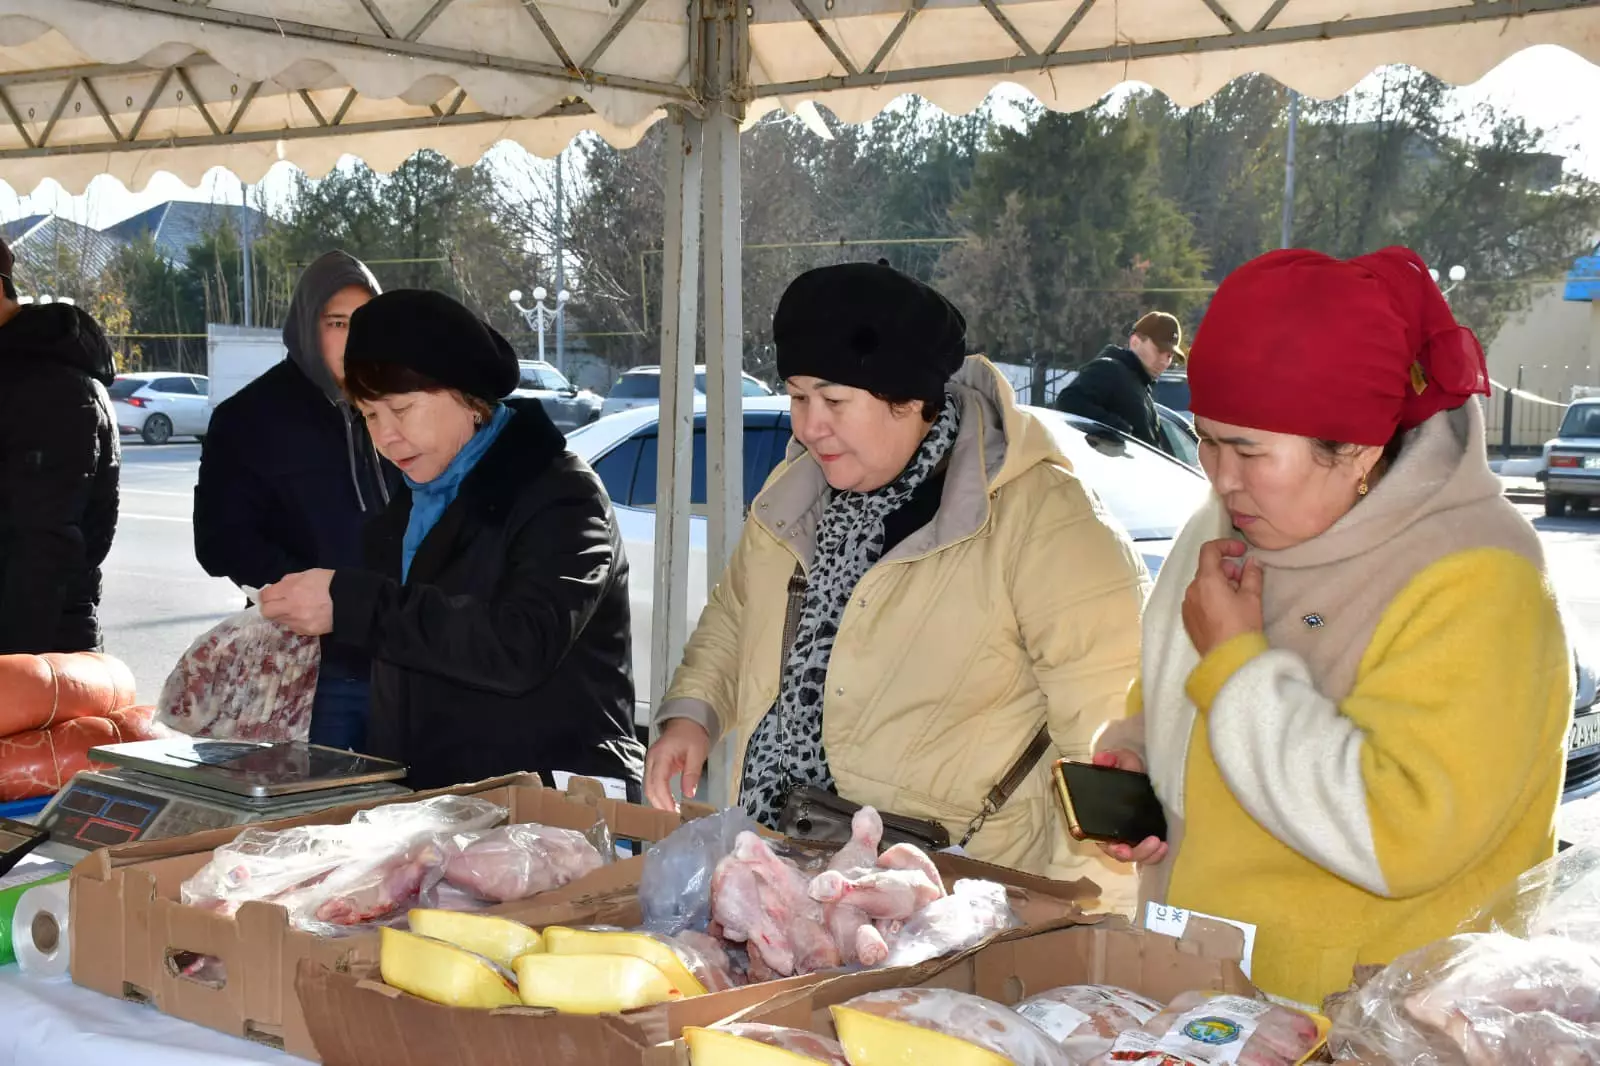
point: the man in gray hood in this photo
(289, 477)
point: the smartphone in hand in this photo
(1107, 805)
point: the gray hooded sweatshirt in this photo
(302, 335)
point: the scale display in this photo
(102, 808)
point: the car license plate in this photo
(1591, 462)
(1585, 733)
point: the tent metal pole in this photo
(680, 311)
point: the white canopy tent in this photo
(132, 87)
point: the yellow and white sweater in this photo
(1388, 755)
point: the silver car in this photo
(157, 406)
(1571, 472)
(567, 405)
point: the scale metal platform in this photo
(168, 788)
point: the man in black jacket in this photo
(59, 461)
(289, 477)
(1116, 387)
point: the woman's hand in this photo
(1152, 850)
(1224, 599)
(681, 749)
(301, 602)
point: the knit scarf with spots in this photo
(785, 750)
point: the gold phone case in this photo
(1074, 827)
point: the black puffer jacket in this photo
(1114, 389)
(59, 461)
(508, 646)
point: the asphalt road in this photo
(158, 600)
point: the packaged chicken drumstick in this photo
(1205, 1029)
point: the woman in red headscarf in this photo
(1354, 686)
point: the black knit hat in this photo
(871, 327)
(438, 338)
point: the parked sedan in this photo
(158, 406)
(1571, 470)
(1151, 494)
(641, 387)
(567, 405)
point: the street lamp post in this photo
(1458, 274)
(537, 315)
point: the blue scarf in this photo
(429, 501)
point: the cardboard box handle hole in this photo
(206, 970)
(257, 1035)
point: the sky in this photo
(1546, 85)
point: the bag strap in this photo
(791, 618)
(1013, 779)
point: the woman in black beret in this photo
(925, 608)
(496, 603)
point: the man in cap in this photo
(289, 477)
(1116, 388)
(59, 459)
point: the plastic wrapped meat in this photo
(938, 1025)
(330, 877)
(1086, 1019)
(729, 1044)
(1205, 1029)
(972, 913)
(518, 861)
(246, 679)
(708, 958)
(763, 901)
(1479, 999)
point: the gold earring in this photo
(1362, 489)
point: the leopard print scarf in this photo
(785, 748)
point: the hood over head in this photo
(302, 330)
(60, 333)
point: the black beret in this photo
(871, 327)
(437, 337)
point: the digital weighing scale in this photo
(169, 788)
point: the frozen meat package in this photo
(1205, 1029)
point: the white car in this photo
(641, 387)
(1150, 493)
(160, 405)
(567, 405)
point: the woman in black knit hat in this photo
(496, 606)
(964, 612)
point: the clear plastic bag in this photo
(949, 1013)
(1478, 999)
(517, 861)
(675, 887)
(1521, 983)
(1086, 1019)
(245, 679)
(972, 913)
(332, 877)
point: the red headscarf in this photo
(1344, 350)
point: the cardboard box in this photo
(357, 1020)
(133, 939)
(1011, 969)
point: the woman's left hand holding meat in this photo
(302, 602)
(1224, 599)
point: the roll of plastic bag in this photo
(42, 931)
